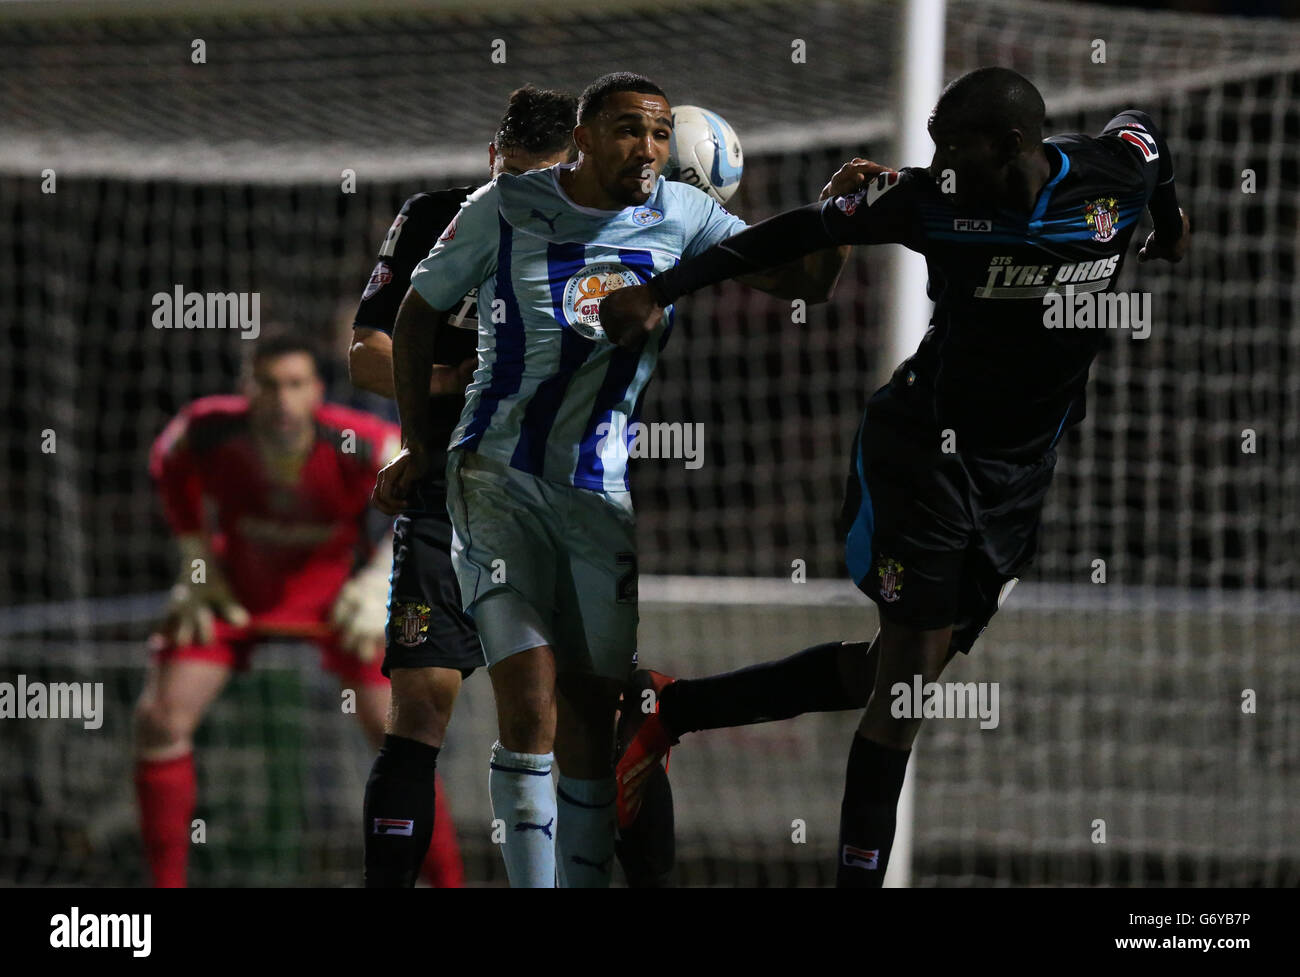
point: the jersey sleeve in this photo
(1137, 132)
(881, 212)
(176, 477)
(710, 220)
(420, 220)
(465, 255)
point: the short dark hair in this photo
(276, 344)
(538, 121)
(593, 96)
(992, 101)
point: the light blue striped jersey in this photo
(552, 396)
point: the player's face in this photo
(626, 142)
(285, 392)
(968, 162)
(518, 161)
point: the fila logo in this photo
(393, 826)
(1143, 141)
(972, 224)
(860, 857)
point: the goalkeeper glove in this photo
(361, 608)
(200, 590)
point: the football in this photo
(705, 152)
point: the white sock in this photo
(585, 843)
(523, 796)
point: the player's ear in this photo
(1011, 145)
(492, 158)
(582, 138)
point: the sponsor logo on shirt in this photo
(972, 224)
(466, 314)
(584, 291)
(449, 231)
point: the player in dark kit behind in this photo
(955, 454)
(431, 644)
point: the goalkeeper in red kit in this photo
(267, 494)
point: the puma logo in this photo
(549, 221)
(579, 860)
(543, 828)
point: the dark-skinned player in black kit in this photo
(954, 456)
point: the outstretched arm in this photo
(629, 315)
(791, 255)
(813, 276)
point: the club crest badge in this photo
(410, 623)
(647, 216)
(891, 580)
(1102, 216)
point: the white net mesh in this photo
(1121, 701)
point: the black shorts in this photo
(936, 538)
(426, 626)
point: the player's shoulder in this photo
(216, 407)
(432, 204)
(515, 190)
(338, 417)
(675, 197)
(206, 422)
(375, 440)
(1107, 156)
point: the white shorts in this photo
(544, 564)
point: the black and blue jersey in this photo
(1000, 377)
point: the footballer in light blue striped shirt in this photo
(544, 534)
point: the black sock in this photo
(869, 813)
(809, 681)
(399, 812)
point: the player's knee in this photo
(423, 711)
(589, 702)
(527, 722)
(913, 651)
(160, 725)
(424, 720)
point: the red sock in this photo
(166, 790)
(442, 866)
